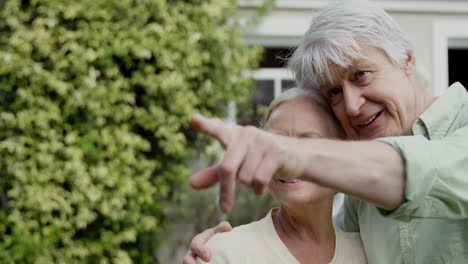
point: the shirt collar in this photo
(437, 119)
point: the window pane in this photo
(253, 111)
(275, 57)
(287, 84)
(457, 71)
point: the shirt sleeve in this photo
(347, 217)
(436, 176)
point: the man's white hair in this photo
(336, 36)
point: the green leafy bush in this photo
(95, 98)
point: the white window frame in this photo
(263, 74)
(446, 34)
(273, 74)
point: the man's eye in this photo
(335, 95)
(360, 74)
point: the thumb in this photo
(223, 227)
(197, 246)
(205, 178)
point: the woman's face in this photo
(303, 118)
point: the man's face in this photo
(374, 98)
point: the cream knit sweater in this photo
(258, 243)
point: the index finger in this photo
(213, 127)
(226, 193)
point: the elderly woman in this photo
(407, 163)
(301, 229)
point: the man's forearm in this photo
(368, 170)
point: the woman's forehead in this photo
(303, 112)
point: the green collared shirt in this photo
(432, 225)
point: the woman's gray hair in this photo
(296, 92)
(336, 36)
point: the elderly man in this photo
(407, 165)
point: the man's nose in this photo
(353, 99)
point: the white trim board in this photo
(272, 41)
(443, 32)
(272, 73)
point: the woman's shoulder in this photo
(238, 236)
(253, 240)
(230, 247)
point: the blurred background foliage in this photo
(95, 143)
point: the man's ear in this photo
(410, 64)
